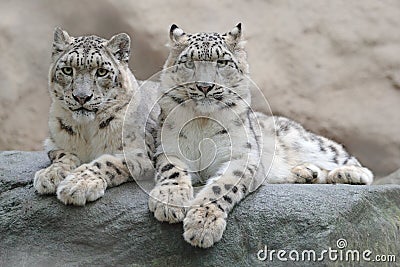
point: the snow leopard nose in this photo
(205, 87)
(82, 98)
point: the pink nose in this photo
(82, 99)
(205, 87)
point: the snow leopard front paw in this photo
(169, 202)
(306, 174)
(46, 180)
(81, 187)
(204, 226)
(350, 175)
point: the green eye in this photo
(67, 71)
(222, 63)
(101, 72)
(189, 64)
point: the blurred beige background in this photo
(332, 65)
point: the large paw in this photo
(47, 180)
(80, 187)
(169, 202)
(204, 226)
(306, 174)
(350, 175)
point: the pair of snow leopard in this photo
(196, 127)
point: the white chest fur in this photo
(203, 142)
(87, 140)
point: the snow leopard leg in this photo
(47, 180)
(311, 158)
(89, 181)
(350, 173)
(170, 197)
(205, 222)
(308, 173)
(346, 174)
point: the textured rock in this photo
(118, 230)
(333, 66)
(393, 178)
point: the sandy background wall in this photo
(332, 65)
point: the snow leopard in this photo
(210, 136)
(91, 86)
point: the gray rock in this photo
(118, 230)
(393, 178)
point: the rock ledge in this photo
(119, 230)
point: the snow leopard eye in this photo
(101, 72)
(67, 71)
(189, 64)
(222, 63)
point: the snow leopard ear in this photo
(176, 34)
(120, 45)
(234, 37)
(61, 41)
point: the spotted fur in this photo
(90, 86)
(209, 135)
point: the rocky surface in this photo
(118, 230)
(333, 66)
(393, 178)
